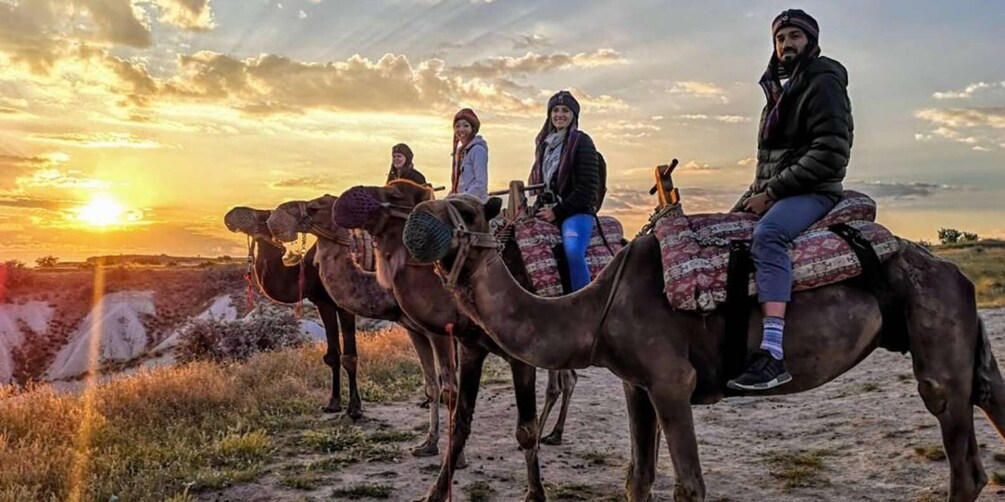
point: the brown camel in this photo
(357, 291)
(669, 359)
(281, 284)
(424, 299)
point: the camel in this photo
(423, 298)
(669, 359)
(281, 284)
(357, 291)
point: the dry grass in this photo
(173, 432)
(984, 264)
(804, 469)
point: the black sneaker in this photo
(763, 372)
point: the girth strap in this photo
(894, 323)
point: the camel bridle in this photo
(466, 239)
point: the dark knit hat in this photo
(469, 115)
(564, 98)
(799, 19)
(404, 150)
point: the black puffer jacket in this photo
(412, 174)
(576, 183)
(809, 148)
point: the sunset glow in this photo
(104, 211)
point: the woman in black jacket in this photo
(566, 162)
(401, 165)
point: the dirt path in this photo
(857, 438)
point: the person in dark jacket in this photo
(804, 144)
(402, 167)
(566, 162)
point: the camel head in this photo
(248, 221)
(373, 208)
(311, 216)
(381, 211)
(453, 231)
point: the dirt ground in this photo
(864, 437)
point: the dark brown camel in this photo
(281, 284)
(423, 298)
(670, 359)
(357, 291)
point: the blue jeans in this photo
(576, 233)
(777, 229)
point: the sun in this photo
(102, 211)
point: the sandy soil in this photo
(865, 427)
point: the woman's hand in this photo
(759, 204)
(546, 214)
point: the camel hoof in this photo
(427, 449)
(535, 497)
(424, 404)
(332, 407)
(462, 462)
(553, 439)
(355, 413)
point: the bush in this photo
(953, 236)
(14, 273)
(47, 261)
(271, 328)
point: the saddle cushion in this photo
(536, 238)
(363, 251)
(695, 251)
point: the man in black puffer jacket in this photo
(803, 148)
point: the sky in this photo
(132, 126)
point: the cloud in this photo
(623, 200)
(55, 178)
(747, 162)
(977, 127)
(969, 91)
(729, 119)
(897, 190)
(187, 14)
(699, 90)
(47, 204)
(530, 42)
(696, 166)
(97, 140)
(532, 63)
(302, 182)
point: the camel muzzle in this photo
(426, 237)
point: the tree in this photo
(47, 261)
(969, 237)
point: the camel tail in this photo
(986, 374)
(988, 389)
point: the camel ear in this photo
(492, 208)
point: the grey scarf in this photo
(552, 156)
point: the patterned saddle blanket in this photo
(536, 240)
(363, 251)
(695, 251)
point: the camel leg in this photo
(943, 365)
(527, 430)
(442, 352)
(551, 395)
(944, 336)
(671, 398)
(350, 361)
(329, 318)
(645, 443)
(471, 360)
(568, 379)
(427, 361)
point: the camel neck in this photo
(278, 282)
(351, 287)
(551, 333)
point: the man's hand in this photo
(759, 204)
(546, 214)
